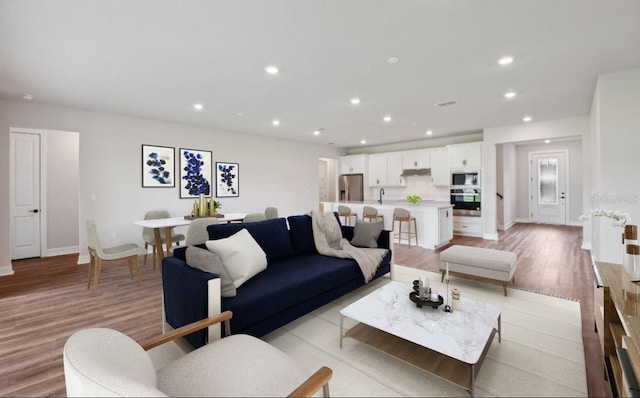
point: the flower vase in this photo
(630, 261)
(202, 204)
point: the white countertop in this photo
(390, 204)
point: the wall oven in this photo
(466, 202)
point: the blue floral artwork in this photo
(195, 173)
(227, 177)
(158, 166)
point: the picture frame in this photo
(158, 166)
(195, 173)
(227, 179)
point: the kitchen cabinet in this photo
(445, 225)
(416, 159)
(468, 226)
(378, 170)
(394, 169)
(440, 171)
(465, 156)
(353, 164)
(385, 169)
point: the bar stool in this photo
(345, 211)
(403, 215)
(371, 213)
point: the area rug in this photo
(541, 353)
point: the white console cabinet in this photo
(353, 164)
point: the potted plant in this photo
(414, 198)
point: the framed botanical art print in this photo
(227, 180)
(195, 173)
(158, 166)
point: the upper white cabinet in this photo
(416, 159)
(465, 156)
(353, 164)
(378, 170)
(394, 169)
(440, 172)
(385, 169)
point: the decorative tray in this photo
(420, 302)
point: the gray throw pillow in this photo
(207, 261)
(366, 234)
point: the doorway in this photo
(548, 189)
(44, 192)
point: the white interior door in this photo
(548, 187)
(25, 195)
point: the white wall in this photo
(63, 176)
(500, 186)
(615, 148)
(509, 182)
(272, 172)
(562, 128)
(574, 168)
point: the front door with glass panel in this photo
(548, 187)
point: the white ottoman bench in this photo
(479, 263)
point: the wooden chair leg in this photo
(415, 228)
(136, 261)
(146, 247)
(96, 276)
(91, 269)
(442, 275)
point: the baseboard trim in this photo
(506, 227)
(83, 258)
(6, 270)
(490, 236)
(59, 251)
(586, 245)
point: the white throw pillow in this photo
(241, 255)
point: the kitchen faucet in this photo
(381, 193)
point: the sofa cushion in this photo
(365, 234)
(301, 233)
(272, 236)
(241, 255)
(209, 261)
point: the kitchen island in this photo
(434, 219)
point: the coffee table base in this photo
(452, 370)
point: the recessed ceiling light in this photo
(240, 114)
(317, 131)
(429, 132)
(387, 119)
(355, 101)
(272, 70)
(275, 122)
(547, 141)
(198, 107)
(363, 141)
(28, 97)
(506, 60)
(393, 60)
(526, 119)
(510, 94)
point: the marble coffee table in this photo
(449, 345)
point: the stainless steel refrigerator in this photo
(350, 187)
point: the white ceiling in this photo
(155, 59)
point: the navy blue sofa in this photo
(297, 279)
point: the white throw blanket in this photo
(329, 242)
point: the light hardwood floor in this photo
(47, 300)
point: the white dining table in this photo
(169, 223)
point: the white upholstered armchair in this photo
(105, 362)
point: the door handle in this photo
(34, 211)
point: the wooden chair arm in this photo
(320, 379)
(188, 329)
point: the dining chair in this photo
(149, 237)
(197, 231)
(254, 217)
(99, 256)
(271, 212)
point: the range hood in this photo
(415, 172)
